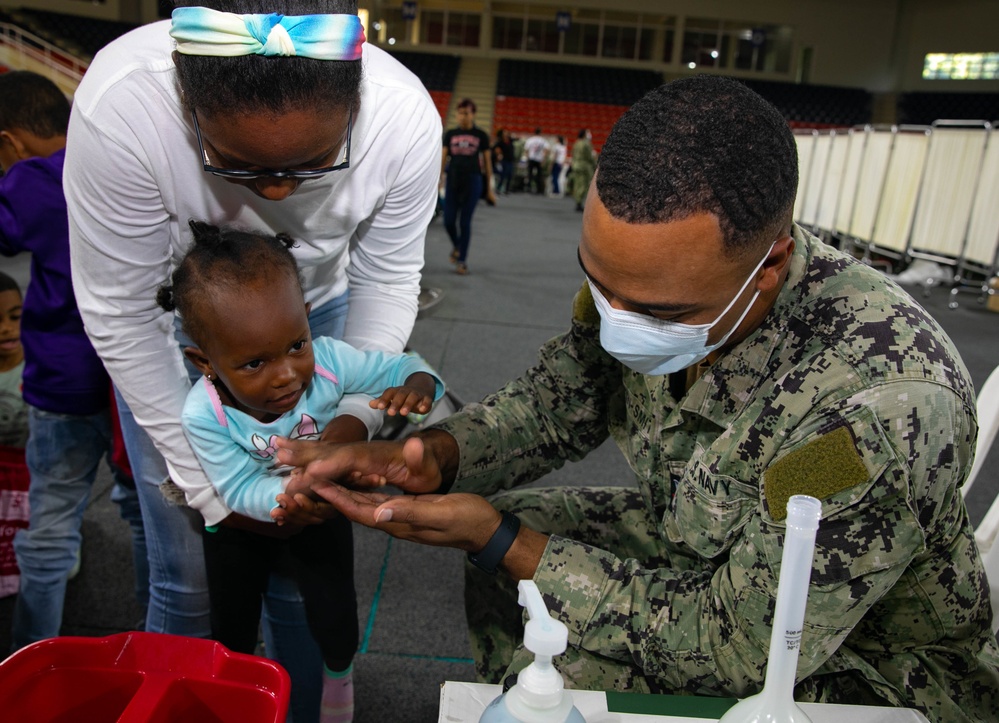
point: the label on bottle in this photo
(792, 638)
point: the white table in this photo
(464, 703)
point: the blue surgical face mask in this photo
(655, 346)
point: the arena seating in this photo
(926, 107)
(76, 34)
(561, 98)
(436, 72)
(817, 106)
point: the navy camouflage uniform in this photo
(849, 392)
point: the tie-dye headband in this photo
(201, 31)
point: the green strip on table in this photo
(690, 706)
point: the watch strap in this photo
(490, 556)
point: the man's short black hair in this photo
(251, 83)
(33, 103)
(703, 143)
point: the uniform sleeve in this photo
(556, 411)
(120, 252)
(707, 630)
(243, 484)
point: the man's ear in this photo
(308, 308)
(776, 263)
(199, 359)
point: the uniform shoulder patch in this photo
(583, 308)
(821, 468)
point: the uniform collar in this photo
(732, 382)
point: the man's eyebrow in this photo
(664, 307)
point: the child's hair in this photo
(222, 259)
(7, 283)
(33, 103)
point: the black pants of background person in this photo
(320, 558)
(535, 178)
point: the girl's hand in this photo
(403, 400)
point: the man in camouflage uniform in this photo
(817, 376)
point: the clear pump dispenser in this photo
(775, 703)
(539, 695)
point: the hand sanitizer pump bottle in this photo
(539, 695)
(775, 703)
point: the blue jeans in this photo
(178, 586)
(459, 205)
(63, 454)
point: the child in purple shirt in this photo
(67, 390)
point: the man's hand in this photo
(412, 466)
(463, 521)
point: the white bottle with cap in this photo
(775, 703)
(539, 695)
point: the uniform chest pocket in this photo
(707, 510)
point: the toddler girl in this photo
(239, 296)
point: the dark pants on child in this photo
(320, 559)
(460, 199)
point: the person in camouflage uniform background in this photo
(581, 170)
(829, 381)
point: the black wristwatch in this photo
(490, 556)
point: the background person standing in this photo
(536, 148)
(466, 170)
(584, 161)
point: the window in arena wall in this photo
(447, 27)
(961, 66)
(738, 45)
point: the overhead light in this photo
(691, 65)
(391, 41)
(714, 53)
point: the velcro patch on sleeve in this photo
(820, 469)
(583, 308)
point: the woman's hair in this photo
(7, 283)
(32, 103)
(702, 144)
(222, 260)
(467, 103)
(248, 83)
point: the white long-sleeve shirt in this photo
(133, 179)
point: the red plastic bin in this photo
(147, 677)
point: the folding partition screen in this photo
(950, 182)
(852, 166)
(897, 203)
(805, 140)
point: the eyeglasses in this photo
(246, 175)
